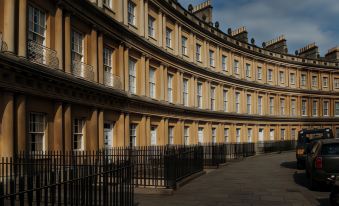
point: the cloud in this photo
(301, 21)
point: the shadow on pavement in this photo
(324, 202)
(289, 165)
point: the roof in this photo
(329, 141)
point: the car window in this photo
(330, 149)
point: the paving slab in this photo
(262, 180)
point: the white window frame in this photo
(303, 80)
(225, 100)
(171, 135)
(272, 132)
(282, 106)
(325, 82)
(168, 37)
(314, 81)
(37, 132)
(249, 104)
(152, 82)
(271, 105)
(236, 67)
(186, 135)
(37, 29)
(199, 95)
(336, 109)
(238, 135)
(248, 71)
(78, 134)
(185, 91)
(214, 135)
(154, 135)
(259, 73)
(198, 52)
(151, 28)
(77, 46)
(211, 57)
(224, 63)
(270, 75)
(315, 108)
(132, 79)
(108, 3)
(213, 98)
(293, 107)
(133, 134)
(184, 45)
(282, 134)
(282, 77)
(170, 88)
(260, 111)
(292, 78)
(249, 135)
(325, 108)
(200, 135)
(131, 13)
(336, 83)
(237, 102)
(226, 135)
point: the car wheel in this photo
(313, 184)
(299, 165)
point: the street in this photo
(261, 180)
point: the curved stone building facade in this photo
(83, 75)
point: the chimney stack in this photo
(204, 11)
(309, 51)
(277, 45)
(333, 54)
(241, 34)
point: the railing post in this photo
(2, 193)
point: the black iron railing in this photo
(275, 146)
(217, 154)
(41, 54)
(82, 178)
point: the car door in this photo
(311, 156)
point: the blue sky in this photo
(301, 21)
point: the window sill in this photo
(133, 26)
(152, 37)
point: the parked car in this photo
(305, 140)
(322, 162)
(334, 196)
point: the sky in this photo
(301, 21)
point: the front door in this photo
(108, 135)
(261, 135)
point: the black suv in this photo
(322, 162)
(306, 139)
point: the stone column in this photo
(9, 24)
(141, 20)
(101, 129)
(92, 132)
(120, 135)
(67, 127)
(22, 40)
(57, 130)
(142, 73)
(145, 13)
(21, 123)
(100, 58)
(59, 37)
(126, 131)
(68, 67)
(94, 53)
(7, 130)
(121, 66)
(125, 71)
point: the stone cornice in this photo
(21, 76)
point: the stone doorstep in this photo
(166, 191)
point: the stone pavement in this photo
(261, 180)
